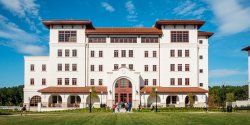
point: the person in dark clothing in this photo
(23, 110)
(153, 107)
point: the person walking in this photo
(129, 106)
(23, 110)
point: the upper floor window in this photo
(154, 82)
(74, 67)
(179, 36)
(92, 68)
(92, 53)
(200, 41)
(74, 53)
(201, 84)
(43, 67)
(186, 53)
(100, 53)
(59, 53)
(59, 81)
(179, 53)
(130, 66)
(172, 53)
(74, 81)
(59, 67)
(115, 66)
(201, 70)
(32, 67)
(172, 81)
(154, 53)
(92, 82)
(66, 67)
(186, 67)
(172, 67)
(67, 36)
(97, 39)
(130, 53)
(123, 40)
(66, 81)
(145, 67)
(145, 53)
(154, 67)
(67, 53)
(116, 53)
(179, 67)
(201, 57)
(179, 81)
(186, 81)
(32, 81)
(149, 40)
(43, 81)
(146, 82)
(100, 68)
(100, 82)
(123, 53)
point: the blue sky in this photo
(22, 33)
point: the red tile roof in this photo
(246, 48)
(47, 23)
(124, 31)
(203, 33)
(175, 90)
(179, 22)
(73, 89)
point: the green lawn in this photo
(149, 118)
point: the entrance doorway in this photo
(123, 91)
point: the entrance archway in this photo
(74, 101)
(35, 100)
(55, 101)
(123, 91)
(152, 101)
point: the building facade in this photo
(120, 65)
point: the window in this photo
(74, 67)
(186, 67)
(92, 67)
(179, 67)
(186, 81)
(74, 81)
(59, 81)
(115, 66)
(43, 81)
(100, 82)
(32, 67)
(66, 67)
(179, 53)
(100, 54)
(116, 53)
(201, 57)
(97, 40)
(145, 53)
(92, 82)
(200, 41)
(66, 81)
(179, 81)
(59, 67)
(172, 67)
(154, 53)
(67, 36)
(100, 68)
(130, 66)
(145, 67)
(172, 53)
(149, 40)
(32, 81)
(201, 84)
(123, 65)
(59, 53)
(67, 53)
(146, 82)
(179, 36)
(130, 53)
(123, 53)
(43, 67)
(123, 40)
(154, 82)
(186, 53)
(74, 53)
(154, 67)
(92, 53)
(172, 81)
(201, 70)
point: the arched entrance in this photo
(123, 91)
(187, 100)
(55, 101)
(74, 101)
(152, 101)
(35, 100)
(95, 102)
(172, 100)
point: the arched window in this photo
(35, 100)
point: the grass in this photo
(138, 118)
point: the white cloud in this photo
(218, 73)
(107, 7)
(132, 14)
(231, 16)
(22, 41)
(189, 8)
(24, 9)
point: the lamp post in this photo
(223, 96)
(156, 99)
(144, 99)
(101, 98)
(90, 90)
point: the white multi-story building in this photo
(121, 64)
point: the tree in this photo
(153, 93)
(230, 97)
(93, 93)
(191, 99)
